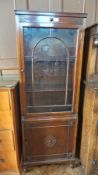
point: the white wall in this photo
(7, 18)
(74, 5)
(90, 9)
(7, 30)
(96, 11)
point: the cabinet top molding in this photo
(62, 14)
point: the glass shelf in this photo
(45, 90)
(59, 59)
(56, 108)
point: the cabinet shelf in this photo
(50, 59)
(47, 90)
(45, 106)
(49, 108)
(44, 90)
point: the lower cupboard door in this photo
(47, 141)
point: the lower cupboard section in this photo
(49, 141)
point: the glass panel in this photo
(49, 57)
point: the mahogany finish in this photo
(50, 59)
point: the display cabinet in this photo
(50, 58)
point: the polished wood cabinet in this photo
(10, 132)
(50, 56)
(89, 143)
(49, 140)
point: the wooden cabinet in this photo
(6, 138)
(89, 143)
(5, 102)
(90, 61)
(45, 141)
(50, 56)
(10, 132)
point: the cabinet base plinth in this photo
(28, 165)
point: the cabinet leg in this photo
(25, 169)
(76, 163)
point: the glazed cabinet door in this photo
(49, 140)
(49, 68)
(50, 59)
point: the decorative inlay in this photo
(50, 141)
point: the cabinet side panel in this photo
(78, 70)
(87, 126)
(91, 58)
(15, 102)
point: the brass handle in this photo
(2, 160)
